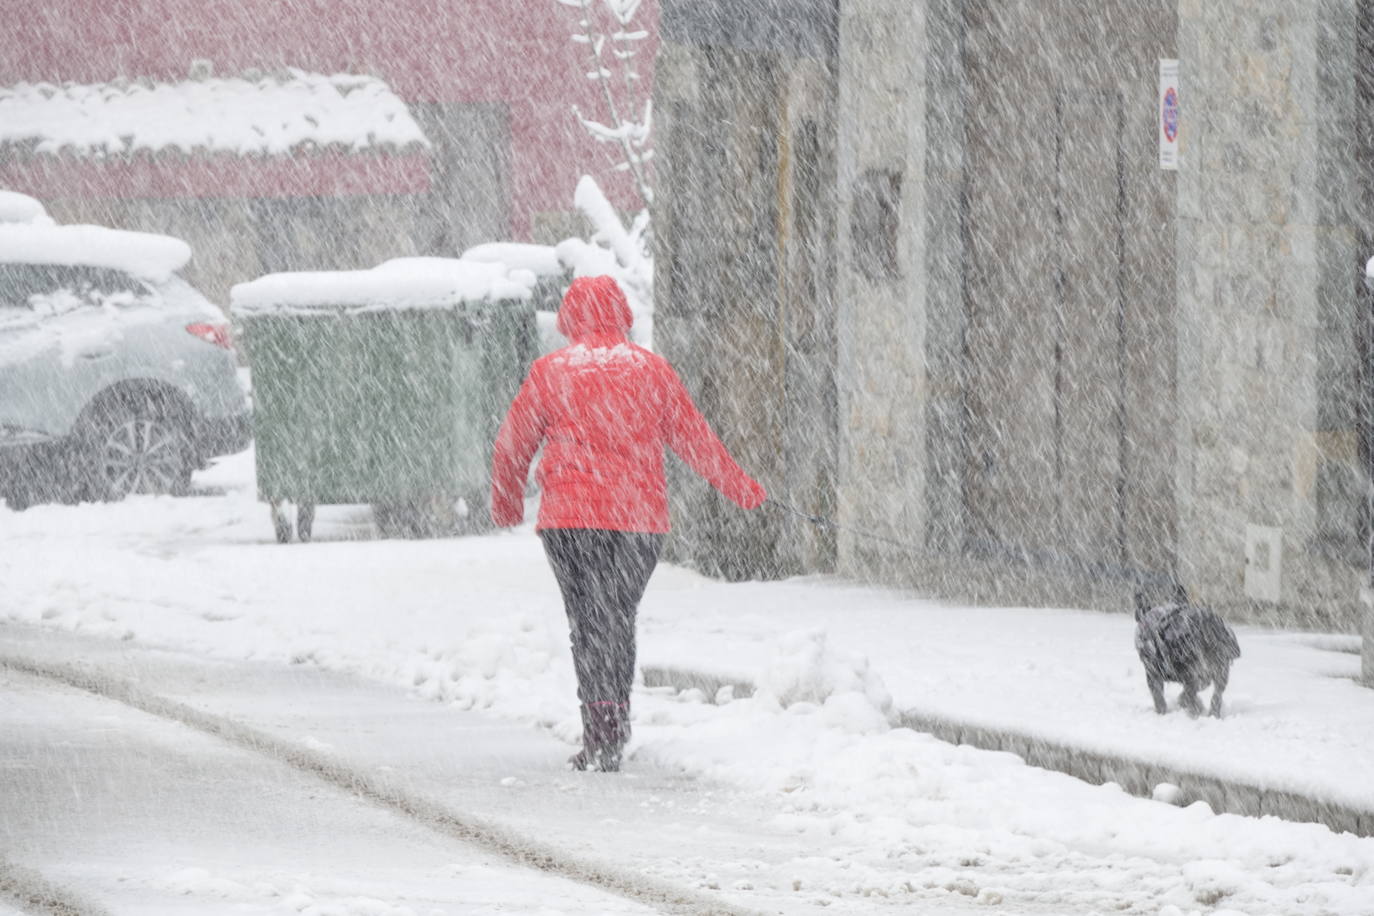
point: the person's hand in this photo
(752, 496)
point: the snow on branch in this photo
(616, 250)
(623, 10)
(615, 125)
(623, 120)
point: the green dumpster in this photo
(384, 386)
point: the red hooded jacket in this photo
(604, 409)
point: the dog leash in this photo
(821, 521)
(1140, 577)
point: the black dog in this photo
(1181, 641)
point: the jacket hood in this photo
(594, 305)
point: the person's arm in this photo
(690, 436)
(516, 444)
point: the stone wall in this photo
(745, 272)
(1226, 337)
(718, 308)
(1270, 480)
(883, 382)
(965, 370)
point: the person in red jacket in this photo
(603, 408)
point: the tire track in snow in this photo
(32, 893)
(437, 817)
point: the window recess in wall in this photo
(874, 222)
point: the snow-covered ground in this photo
(888, 816)
(129, 813)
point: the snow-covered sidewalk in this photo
(1296, 719)
(477, 622)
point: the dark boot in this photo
(586, 757)
(606, 728)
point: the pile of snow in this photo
(143, 254)
(21, 208)
(401, 283)
(807, 670)
(270, 114)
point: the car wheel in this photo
(18, 497)
(137, 445)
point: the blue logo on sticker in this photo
(1170, 114)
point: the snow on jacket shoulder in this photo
(604, 408)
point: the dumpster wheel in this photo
(281, 522)
(305, 521)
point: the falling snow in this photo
(361, 362)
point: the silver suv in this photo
(116, 376)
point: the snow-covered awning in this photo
(289, 134)
(270, 115)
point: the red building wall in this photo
(513, 52)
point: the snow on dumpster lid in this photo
(263, 114)
(143, 254)
(540, 259)
(403, 283)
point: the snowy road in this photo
(140, 813)
(124, 812)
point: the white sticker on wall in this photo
(1168, 114)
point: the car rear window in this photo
(59, 288)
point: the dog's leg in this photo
(1219, 679)
(1188, 699)
(1156, 685)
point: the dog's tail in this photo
(1142, 604)
(1218, 638)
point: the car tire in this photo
(17, 497)
(136, 444)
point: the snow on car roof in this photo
(143, 254)
(21, 208)
(263, 114)
(402, 283)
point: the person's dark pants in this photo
(602, 575)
